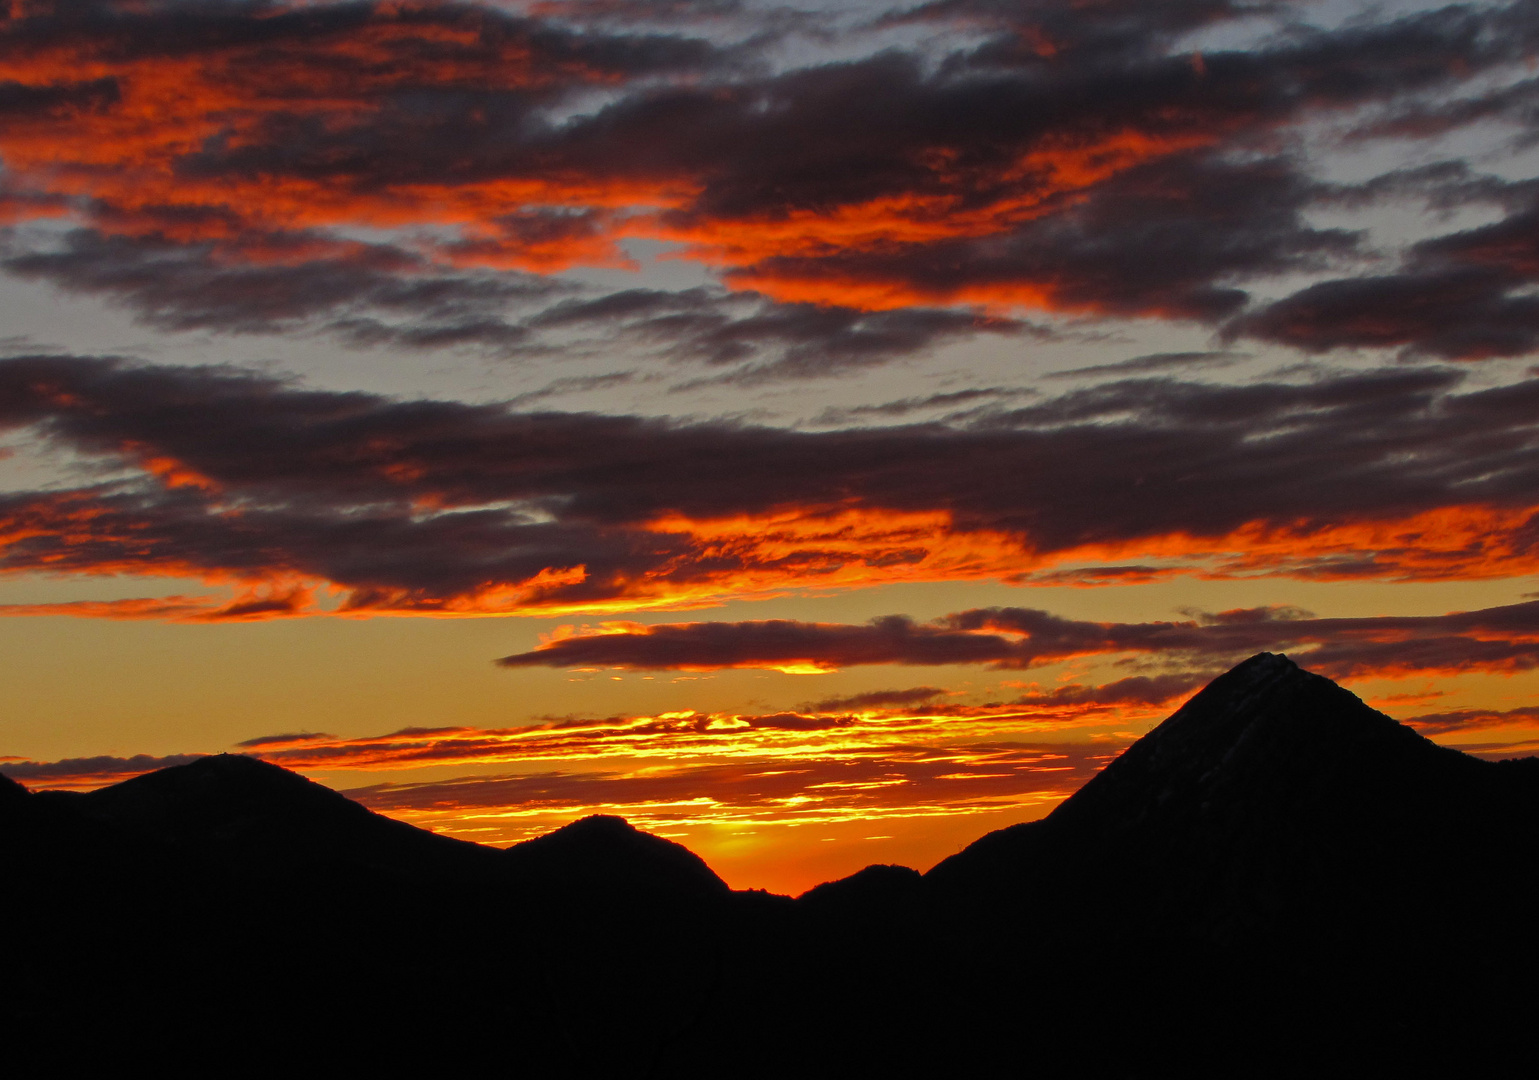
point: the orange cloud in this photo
(128, 155)
(859, 184)
(952, 204)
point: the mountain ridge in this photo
(1278, 874)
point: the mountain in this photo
(1275, 880)
(1275, 865)
(608, 854)
(255, 818)
(1272, 802)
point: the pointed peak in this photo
(1261, 676)
(1265, 721)
(1262, 673)
(1263, 665)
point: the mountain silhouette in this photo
(1276, 864)
(255, 817)
(604, 853)
(1271, 800)
(1275, 880)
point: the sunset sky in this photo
(821, 433)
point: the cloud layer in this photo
(284, 493)
(412, 173)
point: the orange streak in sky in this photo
(1449, 542)
(1046, 179)
(834, 548)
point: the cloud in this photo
(779, 643)
(1503, 639)
(960, 403)
(762, 340)
(873, 199)
(89, 772)
(281, 493)
(917, 695)
(1133, 690)
(249, 605)
(1461, 296)
(368, 293)
(1462, 720)
(1152, 363)
(287, 739)
(374, 294)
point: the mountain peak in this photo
(1264, 728)
(217, 788)
(1270, 798)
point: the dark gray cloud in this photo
(180, 286)
(762, 340)
(1152, 364)
(287, 739)
(1465, 295)
(955, 404)
(379, 295)
(1132, 690)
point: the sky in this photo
(821, 433)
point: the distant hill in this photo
(1275, 880)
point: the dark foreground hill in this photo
(1276, 880)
